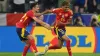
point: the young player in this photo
(24, 22)
(63, 17)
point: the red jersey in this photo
(25, 20)
(62, 16)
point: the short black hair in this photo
(65, 3)
(33, 4)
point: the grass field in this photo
(50, 54)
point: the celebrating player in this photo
(63, 17)
(24, 22)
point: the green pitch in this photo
(50, 54)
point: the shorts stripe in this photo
(57, 31)
(23, 32)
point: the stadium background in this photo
(85, 40)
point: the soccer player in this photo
(23, 34)
(63, 17)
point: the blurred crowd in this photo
(86, 7)
(21, 6)
(79, 7)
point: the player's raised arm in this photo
(44, 12)
(42, 23)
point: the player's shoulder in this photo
(30, 11)
(70, 11)
(58, 9)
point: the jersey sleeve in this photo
(30, 14)
(71, 13)
(54, 10)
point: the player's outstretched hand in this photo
(47, 26)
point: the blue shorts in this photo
(22, 33)
(60, 32)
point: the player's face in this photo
(36, 8)
(65, 7)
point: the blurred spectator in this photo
(18, 6)
(79, 5)
(49, 4)
(29, 2)
(94, 21)
(98, 6)
(78, 21)
(3, 5)
(92, 6)
(54, 3)
(99, 18)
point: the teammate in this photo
(24, 22)
(63, 17)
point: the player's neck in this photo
(65, 10)
(33, 11)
